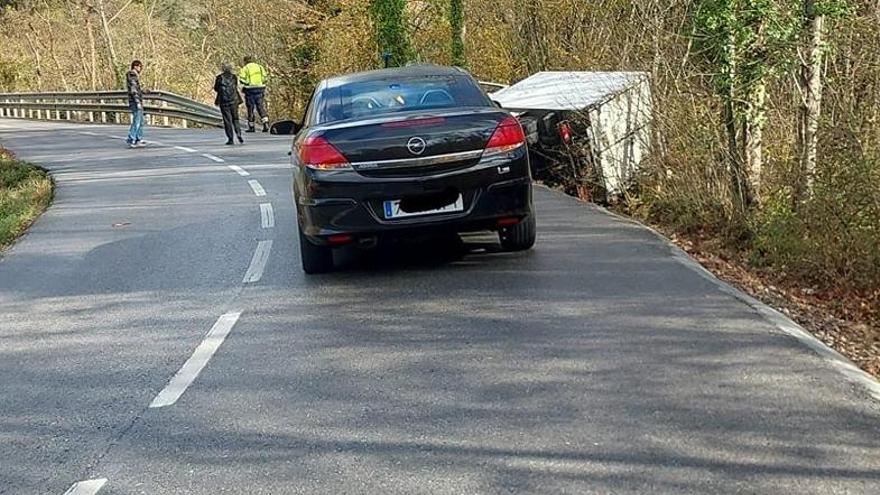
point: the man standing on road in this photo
(254, 77)
(136, 105)
(228, 99)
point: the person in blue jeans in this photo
(136, 105)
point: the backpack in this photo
(227, 90)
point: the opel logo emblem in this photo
(416, 145)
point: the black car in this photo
(395, 152)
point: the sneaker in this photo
(229, 143)
(139, 144)
(240, 139)
(265, 127)
(251, 129)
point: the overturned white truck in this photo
(598, 121)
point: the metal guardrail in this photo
(161, 107)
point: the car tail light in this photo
(508, 136)
(317, 153)
(564, 132)
(508, 221)
(339, 239)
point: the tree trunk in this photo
(50, 47)
(38, 62)
(108, 38)
(72, 14)
(93, 52)
(532, 35)
(753, 137)
(810, 83)
(456, 22)
(738, 183)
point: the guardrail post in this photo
(103, 114)
(165, 120)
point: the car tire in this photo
(315, 259)
(519, 237)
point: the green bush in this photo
(834, 238)
(25, 191)
(778, 234)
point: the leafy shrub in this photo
(25, 191)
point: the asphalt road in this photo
(597, 363)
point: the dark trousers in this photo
(230, 121)
(255, 100)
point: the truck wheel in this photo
(315, 259)
(519, 237)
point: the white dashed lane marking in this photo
(258, 262)
(88, 487)
(256, 187)
(267, 216)
(240, 171)
(212, 157)
(186, 149)
(199, 359)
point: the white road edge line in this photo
(240, 171)
(258, 262)
(194, 365)
(267, 216)
(88, 487)
(778, 320)
(188, 150)
(213, 157)
(256, 187)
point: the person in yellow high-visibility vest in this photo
(253, 78)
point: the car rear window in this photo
(366, 98)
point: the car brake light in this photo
(564, 132)
(414, 123)
(507, 136)
(317, 153)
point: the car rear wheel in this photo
(520, 236)
(315, 259)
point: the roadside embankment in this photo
(25, 192)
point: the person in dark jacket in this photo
(228, 99)
(135, 105)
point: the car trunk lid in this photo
(414, 143)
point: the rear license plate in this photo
(392, 209)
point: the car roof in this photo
(407, 71)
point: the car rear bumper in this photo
(347, 203)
